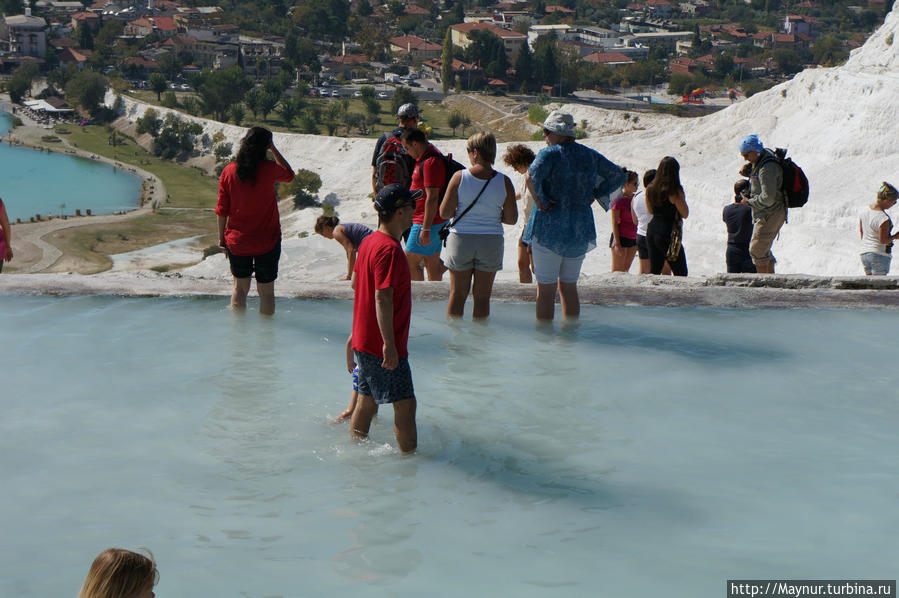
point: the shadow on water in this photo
(697, 349)
(535, 478)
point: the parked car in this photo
(413, 83)
(357, 94)
(313, 92)
(383, 95)
(335, 93)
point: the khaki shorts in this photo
(763, 234)
(473, 252)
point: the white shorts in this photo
(550, 267)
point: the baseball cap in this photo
(395, 196)
(407, 111)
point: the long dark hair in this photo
(666, 182)
(253, 150)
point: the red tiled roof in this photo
(140, 61)
(165, 24)
(350, 59)
(608, 58)
(467, 28)
(458, 65)
(414, 9)
(415, 42)
(556, 8)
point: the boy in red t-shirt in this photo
(429, 176)
(381, 314)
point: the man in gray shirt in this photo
(769, 209)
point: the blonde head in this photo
(119, 573)
(485, 145)
(887, 193)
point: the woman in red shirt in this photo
(248, 220)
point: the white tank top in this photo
(484, 217)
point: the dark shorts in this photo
(642, 247)
(739, 261)
(625, 242)
(384, 386)
(265, 266)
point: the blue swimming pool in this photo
(643, 452)
(52, 183)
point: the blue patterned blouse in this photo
(568, 177)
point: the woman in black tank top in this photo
(665, 201)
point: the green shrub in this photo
(212, 250)
(537, 114)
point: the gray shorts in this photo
(474, 252)
(384, 386)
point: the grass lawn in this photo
(187, 187)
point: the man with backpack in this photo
(429, 176)
(766, 198)
(389, 163)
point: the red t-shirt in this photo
(381, 264)
(430, 171)
(254, 226)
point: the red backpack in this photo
(393, 164)
(795, 183)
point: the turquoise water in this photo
(33, 182)
(645, 452)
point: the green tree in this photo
(18, 87)
(324, 19)
(487, 49)
(546, 64)
(11, 7)
(109, 32)
(149, 123)
(84, 36)
(169, 100)
(455, 119)
(252, 100)
(724, 65)
(372, 106)
(524, 66)
(288, 111)
(237, 114)
(788, 61)
(828, 51)
(219, 90)
(367, 92)
(333, 116)
(447, 74)
(363, 8)
(87, 90)
(402, 95)
(267, 103)
(157, 83)
(303, 188)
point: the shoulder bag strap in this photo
(455, 220)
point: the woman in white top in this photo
(474, 247)
(519, 158)
(875, 229)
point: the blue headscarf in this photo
(751, 143)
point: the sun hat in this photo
(408, 111)
(393, 197)
(751, 143)
(560, 123)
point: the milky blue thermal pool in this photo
(646, 452)
(36, 182)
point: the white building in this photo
(26, 35)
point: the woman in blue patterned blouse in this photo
(567, 178)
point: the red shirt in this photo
(381, 264)
(254, 226)
(430, 171)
